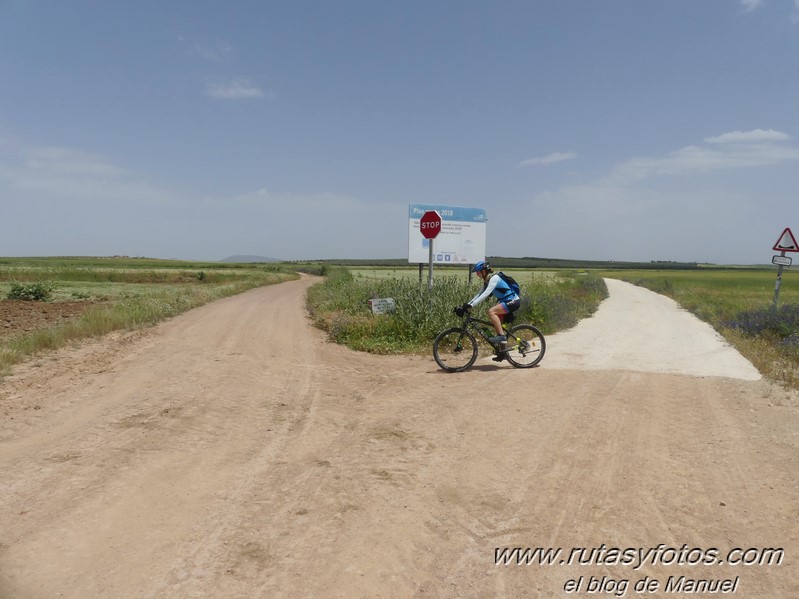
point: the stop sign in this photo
(430, 224)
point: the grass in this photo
(340, 306)
(738, 304)
(117, 263)
(715, 294)
(130, 297)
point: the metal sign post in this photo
(430, 267)
(430, 226)
(786, 243)
(779, 280)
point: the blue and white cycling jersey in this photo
(499, 288)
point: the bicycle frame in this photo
(476, 324)
(455, 349)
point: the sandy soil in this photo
(233, 452)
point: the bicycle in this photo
(455, 349)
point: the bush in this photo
(782, 323)
(38, 292)
(313, 269)
(340, 307)
(561, 305)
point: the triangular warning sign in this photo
(786, 242)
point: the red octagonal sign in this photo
(430, 224)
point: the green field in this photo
(117, 263)
(111, 294)
(716, 295)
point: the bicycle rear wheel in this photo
(455, 349)
(526, 346)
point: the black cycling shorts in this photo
(511, 306)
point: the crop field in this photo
(47, 302)
(739, 304)
(726, 289)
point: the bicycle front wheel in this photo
(526, 346)
(455, 349)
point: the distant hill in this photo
(250, 259)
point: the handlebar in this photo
(463, 309)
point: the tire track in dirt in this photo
(153, 434)
(233, 452)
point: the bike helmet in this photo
(482, 265)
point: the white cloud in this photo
(657, 208)
(75, 175)
(297, 204)
(549, 159)
(103, 209)
(234, 90)
(750, 5)
(67, 161)
(758, 135)
(733, 150)
(642, 223)
(309, 225)
(219, 51)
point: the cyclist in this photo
(507, 300)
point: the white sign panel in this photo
(382, 305)
(781, 260)
(462, 239)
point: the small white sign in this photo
(382, 305)
(781, 260)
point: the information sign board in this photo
(462, 239)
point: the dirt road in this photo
(232, 452)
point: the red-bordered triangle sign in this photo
(786, 242)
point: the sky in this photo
(598, 130)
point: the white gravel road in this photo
(636, 329)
